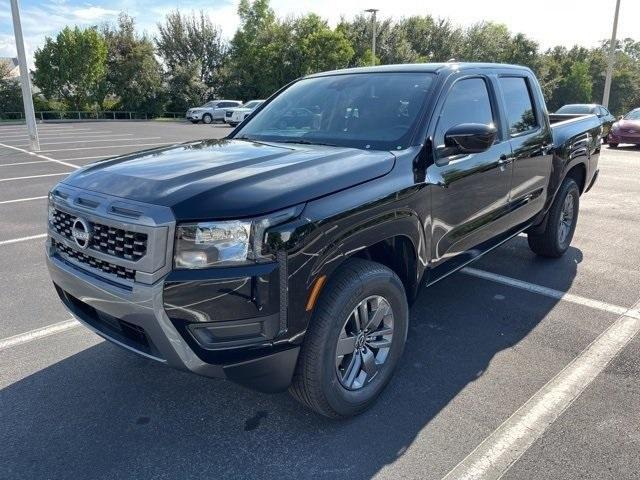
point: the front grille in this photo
(122, 272)
(113, 241)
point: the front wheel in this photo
(354, 341)
(562, 219)
(207, 118)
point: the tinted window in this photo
(520, 113)
(633, 115)
(368, 110)
(467, 102)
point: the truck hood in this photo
(215, 179)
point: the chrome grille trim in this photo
(129, 226)
(113, 241)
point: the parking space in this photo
(483, 344)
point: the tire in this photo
(318, 381)
(613, 145)
(207, 118)
(561, 220)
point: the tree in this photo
(185, 88)
(10, 91)
(133, 76)
(194, 43)
(255, 52)
(72, 67)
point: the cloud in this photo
(93, 13)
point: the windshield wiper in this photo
(307, 142)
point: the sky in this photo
(549, 22)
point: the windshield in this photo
(576, 109)
(252, 104)
(363, 110)
(209, 104)
(633, 115)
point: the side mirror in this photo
(470, 138)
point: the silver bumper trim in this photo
(141, 306)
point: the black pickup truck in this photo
(287, 254)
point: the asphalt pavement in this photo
(486, 349)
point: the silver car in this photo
(212, 111)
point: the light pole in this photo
(374, 25)
(29, 113)
(611, 59)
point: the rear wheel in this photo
(354, 341)
(561, 220)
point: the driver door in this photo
(469, 192)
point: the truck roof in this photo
(421, 67)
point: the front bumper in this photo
(194, 116)
(135, 318)
(623, 137)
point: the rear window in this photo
(519, 104)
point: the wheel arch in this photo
(397, 243)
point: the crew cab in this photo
(213, 111)
(286, 255)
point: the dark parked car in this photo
(287, 254)
(626, 130)
(606, 117)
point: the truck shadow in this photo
(104, 413)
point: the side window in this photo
(520, 112)
(467, 102)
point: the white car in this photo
(212, 111)
(234, 116)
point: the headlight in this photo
(222, 243)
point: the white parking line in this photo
(39, 155)
(22, 239)
(18, 200)
(23, 163)
(80, 140)
(89, 158)
(38, 333)
(110, 146)
(498, 452)
(56, 135)
(34, 176)
(550, 292)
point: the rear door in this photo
(531, 140)
(470, 195)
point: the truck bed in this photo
(574, 131)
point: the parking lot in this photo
(525, 365)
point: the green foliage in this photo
(185, 87)
(133, 75)
(193, 43)
(115, 68)
(10, 92)
(72, 67)
(267, 53)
